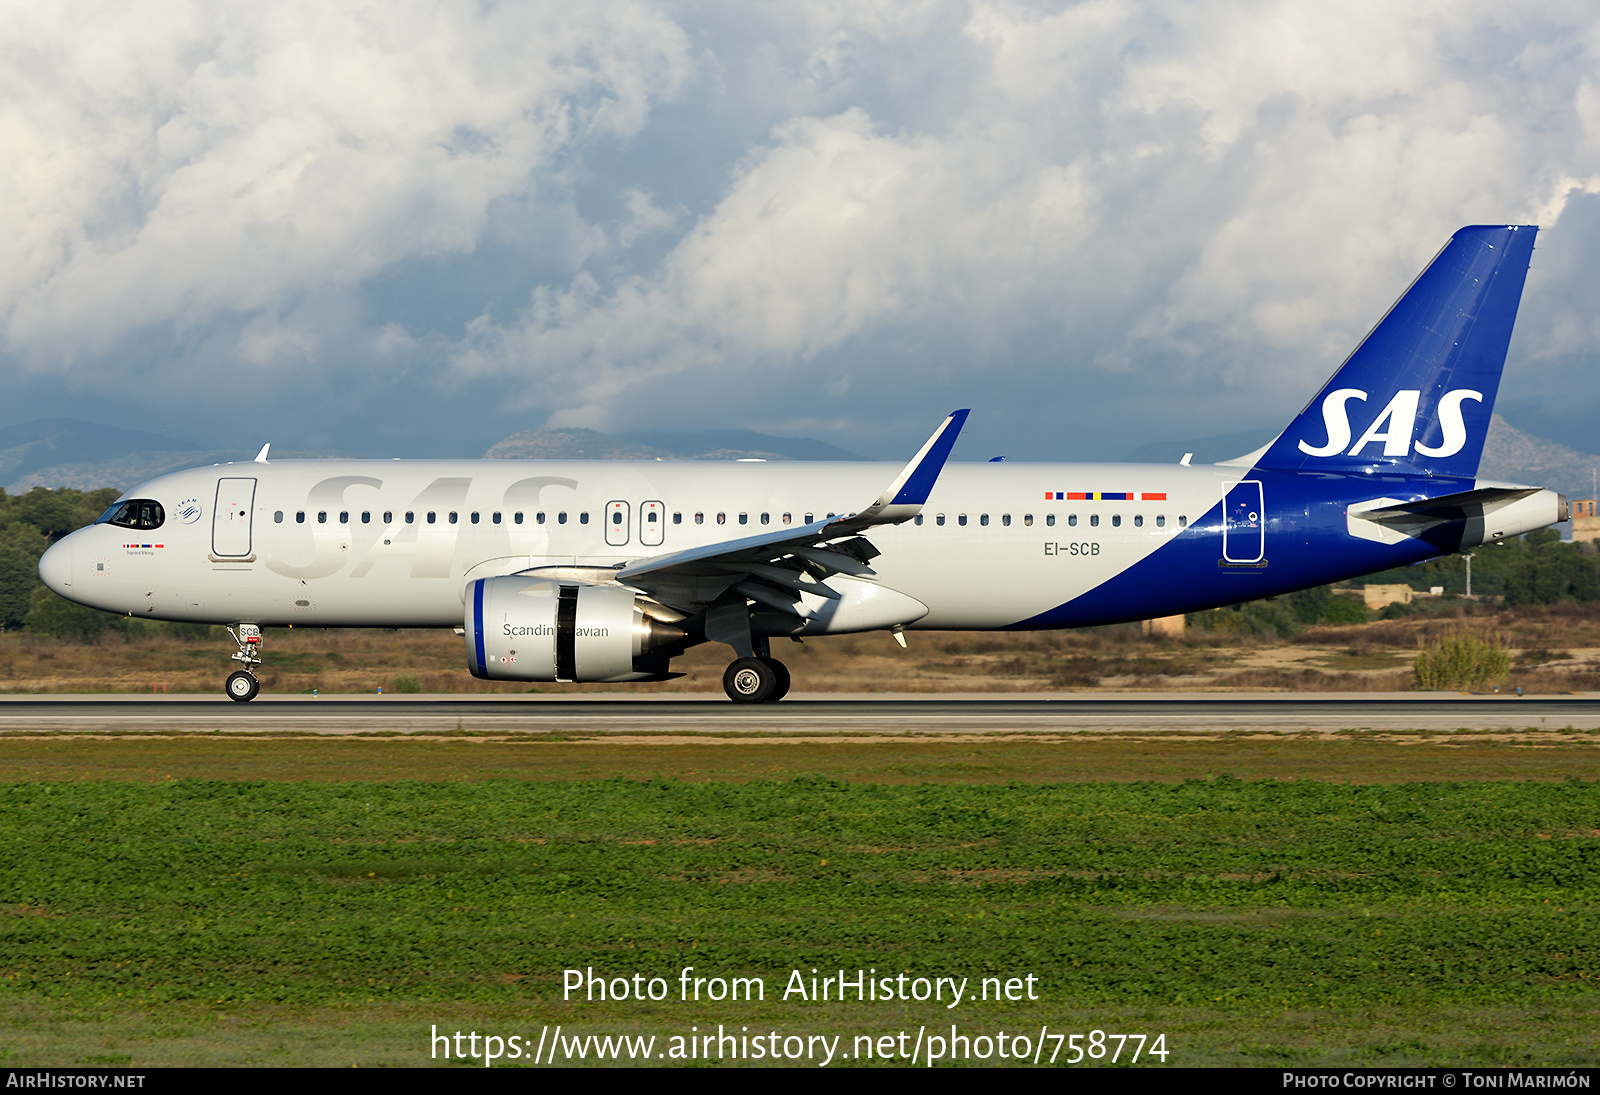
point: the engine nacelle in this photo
(540, 629)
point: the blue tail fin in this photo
(1416, 395)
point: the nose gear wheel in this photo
(242, 687)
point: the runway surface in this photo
(800, 714)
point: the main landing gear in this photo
(760, 678)
(242, 684)
(756, 680)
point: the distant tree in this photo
(29, 524)
(1308, 604)
(19, 577)
(1340, 611)
(55, 618)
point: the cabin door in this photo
(1243, 523)
(230, 520)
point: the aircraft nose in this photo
(55, 567)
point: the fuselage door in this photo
(652, 523)
(1243, 523)
(230, 520)
(616, 523)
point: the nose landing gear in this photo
(242, 684)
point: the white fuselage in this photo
(393, 543)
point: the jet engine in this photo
(544, 629)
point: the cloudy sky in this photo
(410, 228)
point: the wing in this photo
(774, 568)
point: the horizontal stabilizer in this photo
(1451, 507)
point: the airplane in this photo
(607, 570)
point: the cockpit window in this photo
(138, 513)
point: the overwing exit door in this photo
(1243, 523)
(652, 523)
(617, 523)
(230, 520)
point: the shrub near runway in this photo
(1258, 896)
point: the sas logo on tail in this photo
(1395, 426)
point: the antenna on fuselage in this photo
(1188, 456)
(261, 457)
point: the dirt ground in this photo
(1555, 649)
(1344, 756)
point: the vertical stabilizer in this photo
(1416, 395)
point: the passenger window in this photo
(344, 517)
(722, 518)
(808, 518)
(561, 518)
(917, 520)
(433, 517)
(516, 518)
(1138, 520)
(1094, 519)
(300, 518)
(322, 517)
(495, 517)
(1072, 520)
(939, 520)
(366, 517)
(388, 516)
(452, 517)
(616, 517)
(1183, 522)
(983, 520)
(766, 518)
(1027, 520)
(538, 518)
(583, 518)
(411, 517)
(474, 516)
(699, 518)
(650, 518)
(277, 518)
(1116, 520)
(788, 519)
(677, 518)
(1005, 520)
(1050, 520)
(744, 518)
(961, 519)
(1161, 520)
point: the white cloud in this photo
(775, 213)
(1243, 189)
(165, 163)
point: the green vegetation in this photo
(29, 523)
(1285, 616)
(1254, 901)
(1462, 661)
(1536, 569)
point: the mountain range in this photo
(1509, 455)
(64, 452)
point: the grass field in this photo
(206, 900)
